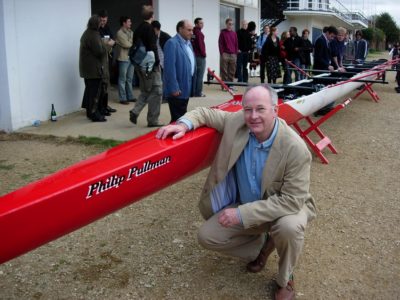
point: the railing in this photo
(333, 6)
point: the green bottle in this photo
(53, 115)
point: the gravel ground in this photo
(149, 249)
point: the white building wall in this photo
(41, 47)
(170, 12)
(252, 14)
(5, 109)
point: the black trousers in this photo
(177, 107)
(95, 97)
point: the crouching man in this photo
(256, 197)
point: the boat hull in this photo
(76, 196)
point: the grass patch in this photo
(89, 140)
(26, 176)
(4, 166)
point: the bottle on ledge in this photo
(53, 115)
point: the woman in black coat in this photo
(271, 54)
(305, 51)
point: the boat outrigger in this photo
(78, 195)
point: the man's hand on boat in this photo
(176, 130)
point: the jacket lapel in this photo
(238, 145)
(274, 158)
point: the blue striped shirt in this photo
(250, 165)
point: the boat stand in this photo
(368, 87)
(324, 141)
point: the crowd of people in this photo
(171, 70)
(168, 69)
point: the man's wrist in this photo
(185, 122)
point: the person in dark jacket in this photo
(292, 47)
(162, 38)
(271, 54)
(306, 48)
(322, 59)
(93, 68)
(360, 48)
(245, 45)
(322, 52)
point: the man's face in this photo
(244, 25)
(186, 31)
(127, 24)
(292, 32)
(259, 113)
(229, 25)
(358, 37)
(266, 29)
(330, 36)
(340, 37)
(200, 24)
(103, 21)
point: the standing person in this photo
(108, 38)
(286, 75)
(253, 56)
(148, 71)
(322, 51)
(360, 48)
(199, 48)
(124, 41)
(337, 47)
(306, 48)
(349, 49)
(322, 60)
(93, 68)
(397, 67)
(162, 38)
(228, 49)
(292, 47)
(260, 43)
(271, 54)
(179, 69)
(244, 46)
(254, 201)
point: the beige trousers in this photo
(227, 64)
(287, 233)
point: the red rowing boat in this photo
(78, 195)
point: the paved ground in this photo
(118, 125)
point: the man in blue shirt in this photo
(256, 197)
(179, 68)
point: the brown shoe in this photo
(285, 293)
(259, 263)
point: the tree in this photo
(386, 23)
(375, 38)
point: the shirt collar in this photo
(268, 142)
(183, 40)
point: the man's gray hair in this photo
(272, 92)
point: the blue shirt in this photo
(250, 165)
(189, 52)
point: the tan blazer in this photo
(124, 41)
(286, 174)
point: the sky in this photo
(372, 7)
(390, 6)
